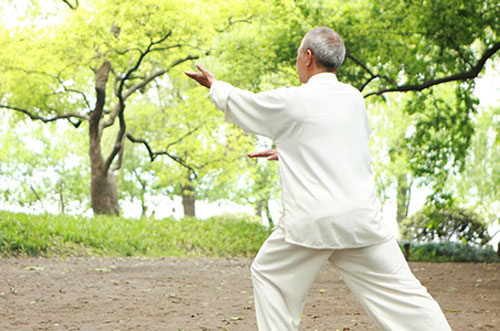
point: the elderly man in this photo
(331, 211)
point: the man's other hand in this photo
(204, 77)
(270, 154)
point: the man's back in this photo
(321, 134)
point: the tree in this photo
(477, 187)
(36, 173)
(262, 187)
(391, 129)
(205, 158)
(446, 223)
(95, 62)
(101, 56)
(433, 58)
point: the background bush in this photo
(445, 223)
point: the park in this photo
(132, 198)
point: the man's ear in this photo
(309, 57)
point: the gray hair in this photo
(327, 47)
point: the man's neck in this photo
(317, 70)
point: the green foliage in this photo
(49, 235)
(445, 223)
(452, 252)
(50, 67)
(478, 186)
(36, 172)
(443, 129)
(189, 128)
(146, 44)
(382, 55)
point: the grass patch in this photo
(53, 235)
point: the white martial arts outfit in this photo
(330, 207)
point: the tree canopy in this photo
(115, 69)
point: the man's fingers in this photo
(201, 68)
(191, 74)
(259, 154)
(273, 157)
(270, 154)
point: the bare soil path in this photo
(209, 294)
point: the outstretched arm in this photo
(270, 154)
(204, 77)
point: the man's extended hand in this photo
(204, 77)
(270, 154)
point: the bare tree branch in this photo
(143, 83)
(231, 21)
(365, 68)
(120, 107)
(187, 134)
(470, 74)
(49, 119)
(70, 5)
(185, 59)
(138, 63)
(153, 154)
(122, 95)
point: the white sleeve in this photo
(260, 113)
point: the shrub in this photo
(445, 224)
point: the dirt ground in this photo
(208, 294)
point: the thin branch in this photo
(118, 147)
(153, 155)
(187, 58)
(138, 177)
(120, 107)
(32, 188)
(459, 52)
(49, 119)
(470, 74)
(70, 5)
(139, 61)
(143, 83)
(231, 21)
(183, 137)
(365, 68)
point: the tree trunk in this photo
(269, 216)
(188, 200)
(103, 192)
(62, 205)
(258, 208)
(403, 197)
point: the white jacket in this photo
(321, 133)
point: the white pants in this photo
(377, 275)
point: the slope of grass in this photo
(52, 235)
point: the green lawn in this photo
(51, 235)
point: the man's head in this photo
(321, 50)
